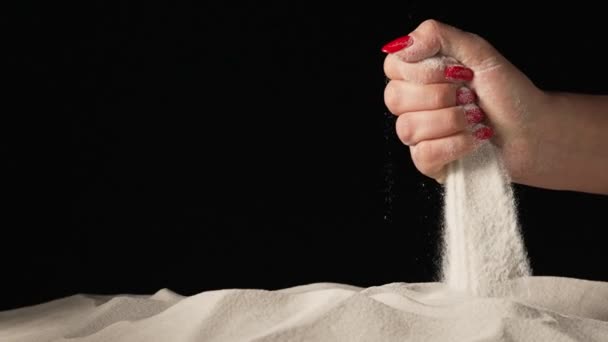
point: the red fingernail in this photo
(484, 133)
(458, 73)
(473, 114)
(398, 44)
(465, 95)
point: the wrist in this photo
(569, 144)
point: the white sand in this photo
(546, 309)
(483, 247)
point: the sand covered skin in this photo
(545, 309)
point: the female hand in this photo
(451, 90)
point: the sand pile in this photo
(544, 309)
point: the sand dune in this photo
(540, 309)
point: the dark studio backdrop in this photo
(248, 146)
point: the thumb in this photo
(432, 37)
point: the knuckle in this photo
(404, 129)
(424, 156)
(391, 97)
(449, 94)
(453, 120)
(431, 26)
(389, 66)
(440, 96)
(386, 66)
(433, 29)
(436, 99)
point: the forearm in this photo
(573, 143)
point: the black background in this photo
(204, 146)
